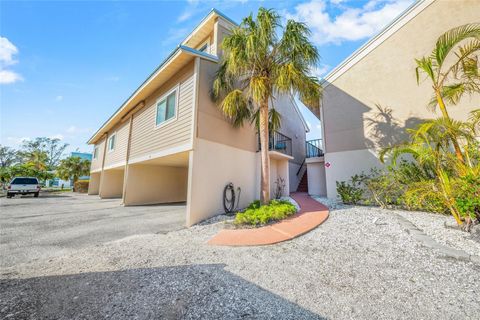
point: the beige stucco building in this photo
(168, 142)
(372, 97)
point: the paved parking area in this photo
(55, 224)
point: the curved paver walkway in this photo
(311, 214)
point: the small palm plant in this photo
(73, 168)
(258, 64)
(429, 145)
(453, 69)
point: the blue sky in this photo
(66, 66)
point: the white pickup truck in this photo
(23, 185)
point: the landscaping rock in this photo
(348, 268)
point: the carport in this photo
(111, 182)
(159, 180)
(94, 183)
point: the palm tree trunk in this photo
(265, 177)
(448, 199)
(443, 108)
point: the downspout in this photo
(125, 174)
(129, 142)
(103, 164)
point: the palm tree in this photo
(453, 69)
(259, 63)
(37, 159)
(429, 145)
(73, 168)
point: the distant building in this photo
(85, 156)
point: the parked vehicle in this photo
(23, 186)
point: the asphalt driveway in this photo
(56, 224)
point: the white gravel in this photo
(434, 225)
(360, 264)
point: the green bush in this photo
(351, 192)
(382, 188)
(81, 186)
(468, 196)
(256, 214)
(423, 196)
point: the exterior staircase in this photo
(303, 185)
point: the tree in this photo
(453, 69)
(73, 168)
(37, 159)
(429, 144)
(256, 65)
(8, 156)
(53, 149)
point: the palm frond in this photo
(447, 41)
(235, 107)
(425, 64)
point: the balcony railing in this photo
(278, 142)
(314, 148)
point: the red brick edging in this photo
(311, 215)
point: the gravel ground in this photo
(360, 264)
(434, 226)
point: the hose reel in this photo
(229, 197)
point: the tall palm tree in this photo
(261, 59)
(453, 69)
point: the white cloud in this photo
(7, 76)
(350, 25)
(7, 52)
(57, 136)
(174, 36)
(15, 142)
(76, 130)
(189, 11)
(320, 71)
(59, 98)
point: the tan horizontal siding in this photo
(121, 140)
(97, 163)
(146, 138)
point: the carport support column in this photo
(125, 175)
(100, 188)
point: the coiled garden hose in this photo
(229, 198)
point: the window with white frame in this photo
(111, 143)
(204, 47)
(95, 153)
(167, 107)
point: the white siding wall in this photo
(118, 155)
(146, 138)
(97, 163)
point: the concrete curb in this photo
(429, 242)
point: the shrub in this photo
(351, 192)
(382, 188)
(81, 186)
(423, 196)
(467, 197)
(256, 214)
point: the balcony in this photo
(313, 148)
(279, 143)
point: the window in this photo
(203, 48)
(25, 181)
(166, 107)
(95, 153)
(111, 143)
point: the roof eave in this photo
(180, 49)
